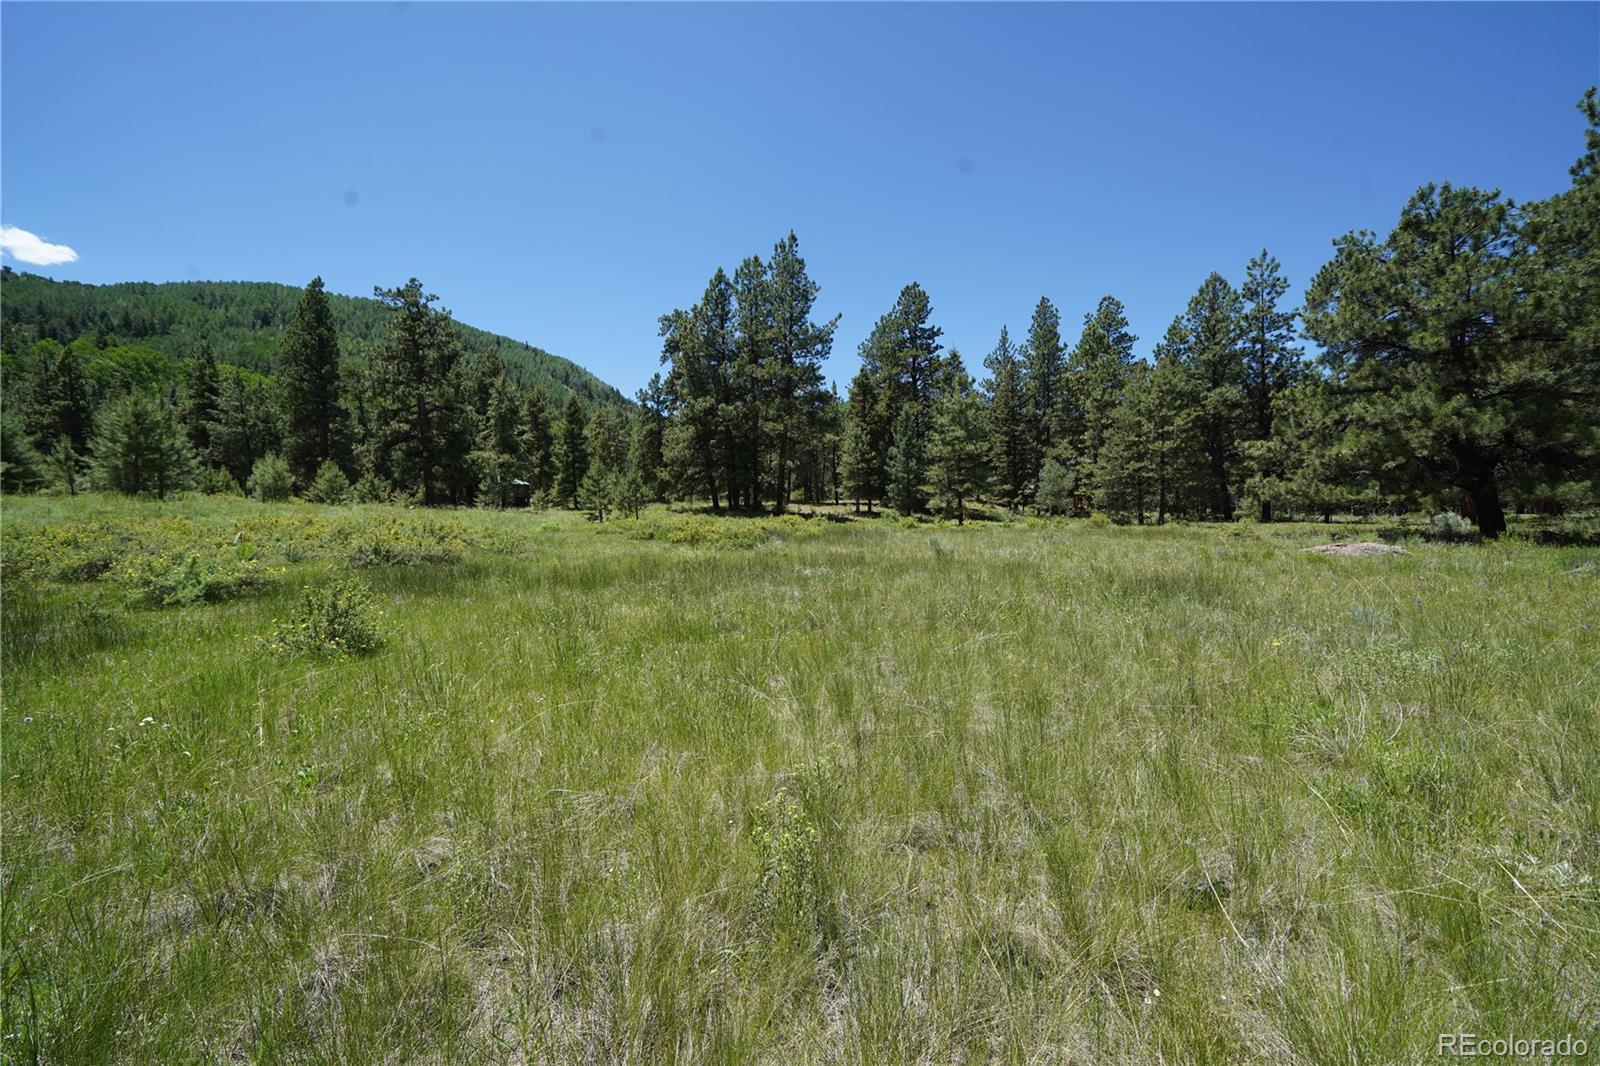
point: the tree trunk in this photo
(1486, 502)
(1266, 510)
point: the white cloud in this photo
(26, 247)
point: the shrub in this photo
(1449, 527)
(369, 490)
(339, 619)
(271, 481)
(1099, 520)
(165, 581)
(330, 485)
(786, 838)
(215, 481)
(405, 544)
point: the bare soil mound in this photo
(1363, 547)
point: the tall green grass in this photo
(674, 791)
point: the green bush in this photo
(1450, 527)
(168, 581)
(330, 485)
(271, 481)
(405, 544)
(369, 490)
(215, 481)
(340, 619)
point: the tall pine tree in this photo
(308, 383)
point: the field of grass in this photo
(704, 790)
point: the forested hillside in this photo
(243, 321)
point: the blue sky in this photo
(566, 173)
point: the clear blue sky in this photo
(565, 174)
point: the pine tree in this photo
(606, 441)
(699, 344)
(330, 484)
(903, 354)
(1045, 383)
(59, 403)
(1010, 430)
(957, 443)
(538, 439)
(748, 378)
(907, 464)
(572, 453)
(308, 381)
(499, 453)
(202, 389)
(1272, 361)
(645, 452)
(245, 427)
(271, 479)
(21, 468)
(1125, 480)
(1443, 356)
(798, 348)
(422, 419)
(861, 461)
(1215, 361)
(65, 464)
(1097, 371)
(140, 448)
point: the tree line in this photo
(417, 419)
(1457, 363)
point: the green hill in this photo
(243, 321)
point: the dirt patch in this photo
(1363, 547)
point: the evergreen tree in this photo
(200, 398)
(748, 377)
(1173, 401)
(421, 416)
(245, 427)
(1125, 480)
(308, 381)
(1561, 266)
(1011, 430)
(330, 484)
(1308, 465)
(1272, 361)
(862, 464)
(606, 441)
(957, 443)
(907, 464)
(1437, 343)
(271, 480)
(65, 464)
(1215, 361)
(902, 353)
(21, 468)
(572, 453)
(1044, 380)
(59, 405)
(500, 446)
(539, 439)
(1097, 371)
(645, 454)
(700, 346)
(140, 448)
(798, 348)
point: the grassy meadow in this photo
(686, 789)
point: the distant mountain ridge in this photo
(243, 321)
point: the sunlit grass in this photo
(668, 790)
